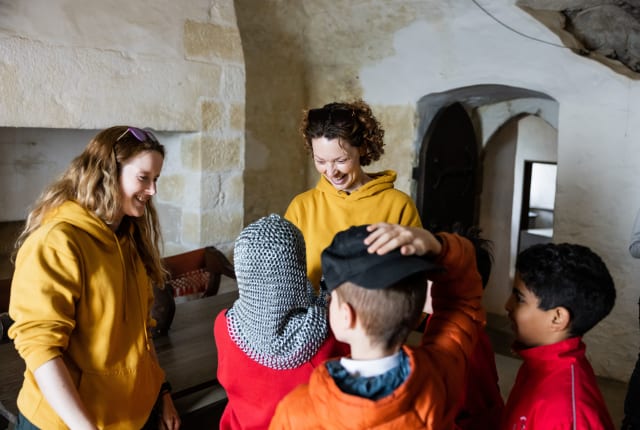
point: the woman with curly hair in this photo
(81, 292)
(343, 138)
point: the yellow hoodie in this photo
(80, 293)
(323, 211)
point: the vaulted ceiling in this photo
(605, 30)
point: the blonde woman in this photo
(81, 292)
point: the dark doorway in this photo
(447, 173)
(538, 202)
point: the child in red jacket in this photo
(277, 331)
(377, 294)
(560, 292)
(482, 403)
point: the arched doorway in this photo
(447, 182)
(493, 120)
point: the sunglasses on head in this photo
(339, 115)
(142, 135)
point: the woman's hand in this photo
(169, 418)
(386, 237)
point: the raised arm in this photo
(456, 290)
(411, 240)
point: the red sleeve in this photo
(456, 294)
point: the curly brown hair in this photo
(92, 180)
(350, 122)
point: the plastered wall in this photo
(392, 53)
(226, 81)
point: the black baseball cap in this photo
(346, 259)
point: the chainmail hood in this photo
(277, 320)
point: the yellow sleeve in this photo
(46, 285)
(410, 216)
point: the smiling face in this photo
(339, 162)
(532, 326)
(138, 177)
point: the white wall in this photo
(29, 160)
(454, 44)
(537, 141)
(526, 139)
(176, 67)
(496, 217)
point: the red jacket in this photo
(482, 401)
(254, 390)
(555, 382)
(430, 396)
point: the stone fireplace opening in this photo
(30, 158)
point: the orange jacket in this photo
(431, 395)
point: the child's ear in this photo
(349, 315)
(346, 316)
(561, 319)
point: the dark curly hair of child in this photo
(571, 276)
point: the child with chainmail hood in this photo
(277, 331)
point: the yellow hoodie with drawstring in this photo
(323, 211)
(81, 293)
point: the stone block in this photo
(221, 225)
(171, 188)
(232, 188)
(211, 191)
(233, 84)
(191, 152)
(213, 116)
(170, 222)
(237, 116)
(209, 41)
(191, 228)
(220, 154)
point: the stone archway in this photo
(493, 113)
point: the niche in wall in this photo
(30, 158)
(538, 202)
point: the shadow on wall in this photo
(275, 98)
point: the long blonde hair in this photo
(92, 181)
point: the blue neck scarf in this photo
(374, 387)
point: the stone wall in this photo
(173, 66)
(302, 54)
(180, 67)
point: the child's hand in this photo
(411, 240)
